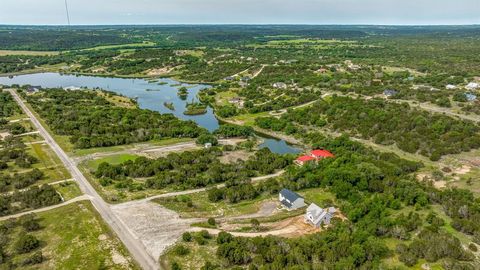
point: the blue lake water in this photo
(150, 95)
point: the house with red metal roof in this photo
(304, 160)
(315, 155)
(319, 154)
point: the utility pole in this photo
(68, 15)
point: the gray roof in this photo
(318, 213)
(290, 195)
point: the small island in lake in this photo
(169, 105)
(183, 93)
(195, 108)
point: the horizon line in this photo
(242, 24)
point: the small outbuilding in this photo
(290, 200)
(390, 92)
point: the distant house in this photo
(237, 101)
(390, 92)
(245, 79)
(450, 87)
(472, 86)
(302, 160)
(315, 155)
(319, 154)
(471, 97)
(72, 88)
(208, 145)
(33, 89)
(316, 216)
(280, 85)
(229, 78)
(290, 200)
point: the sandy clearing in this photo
(156, 227)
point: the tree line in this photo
(92, 121)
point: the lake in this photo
(149, 94)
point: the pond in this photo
(152, 95)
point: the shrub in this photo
(187, 237)
(211, 221)
(26, 243)
(181, 250)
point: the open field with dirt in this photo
(32, 53)
(80, 241)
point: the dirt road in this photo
(136, 247)
(74, 200)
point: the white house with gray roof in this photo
(290, 200)
(316, 216)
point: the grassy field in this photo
(119, 101)
(68, 190)
(129, 45)
(222, 98)
(196, 257)
(202, 207)
(75, 237)
(164, 142)
(33, 53)
(114, 159)
(49, 163)
(318, 196)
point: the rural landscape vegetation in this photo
(105, 178)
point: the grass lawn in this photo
(222, 98)
(318, 196)
(75, 237)
(249, 119)
(68, 190)
(114, 160)
(201, 207)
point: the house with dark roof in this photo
(316, 216)
(33, 89)
(290, 200)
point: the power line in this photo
(68, 15)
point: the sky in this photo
(391, 12)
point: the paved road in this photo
(133, 244)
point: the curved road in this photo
(133, 244)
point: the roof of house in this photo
(322, 153)
(290, 195)
(390, 92)
(318, 213)
(305, 158)
(470, 96)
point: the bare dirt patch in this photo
(155, 226)
(231, 157)
(159, 71)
